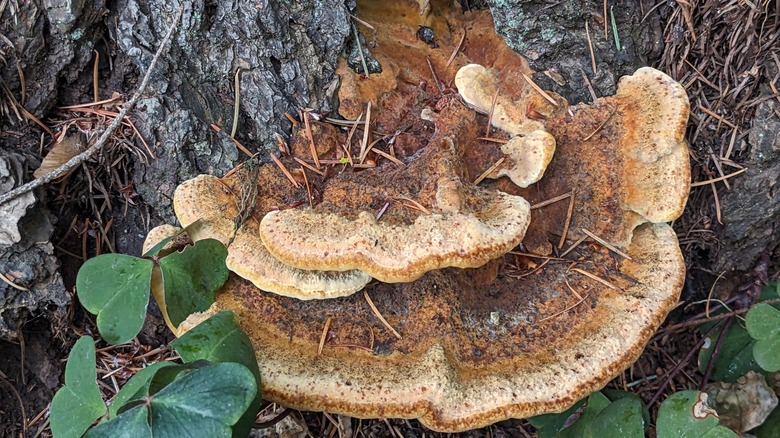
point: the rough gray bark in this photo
(286, 52)
(51, 44)
(751, 209)
(551, 35)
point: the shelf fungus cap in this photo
(470, 355)
(470, 237)
(205, 197)
(531, 148)
(528, 157)
(478, 87)
(655, 113)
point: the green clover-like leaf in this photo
(203, 402)
(191, 277)
(115, 287)
(77, 404)
(763, 325)
(685, 415)
(220, 339)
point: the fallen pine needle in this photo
(415, 204)
(366, 134)
(382, 210)
(551, 201)
(309, 166)
(285, 171)
(605, 243)
(566, 224)
(493, 140)
(236, 142)
(555, 315)
(576, 294)
(573, 245)
(457, 49)
(379, 315)
(389, 157)
(80, 158)
(595, 277)
(539, 90)
(601, 126)
(535, 256)
(489, 171)
(312, 147)
(308, 188)
(721, 178)
(12, 284)
(324, 336)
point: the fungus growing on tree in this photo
(213, 202)
(523, 334)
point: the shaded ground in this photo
(723, 52)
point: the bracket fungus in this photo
(514, 334)
(214, 202)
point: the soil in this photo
(729, 234)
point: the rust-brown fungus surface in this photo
(518, 336)
(465, 226)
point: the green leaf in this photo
(130, 424)
(615, 394)
(139, 380)
(115, 287)
(220, 339)
(205, 402)
(735, 356)
(763, 321)
(77, 404)
(622, 418)
(191, 277)
(548, 425)
(767, 353)
(685, 415)
(763, 324)
(597, 402)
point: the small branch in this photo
(80, 158)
